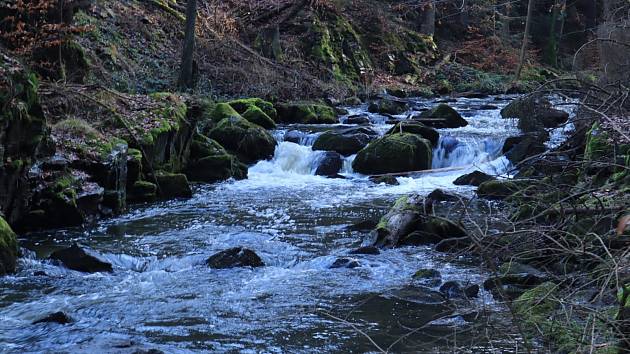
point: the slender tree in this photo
(528, 24)
(186, 71)
(428, 17)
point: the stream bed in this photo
(162, 296)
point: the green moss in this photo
(8, 248)
(244, 104)
(306, 113)
(222, 111)
(257, 116)
(134, 154)
(597, 144)
(394, 153)
(426, 274)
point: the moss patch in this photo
(8, 248)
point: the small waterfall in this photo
(296, 136)
(464, 151)
(297, 159)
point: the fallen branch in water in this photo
(445, 169)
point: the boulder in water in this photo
(394, 153)
(366, 250)
(345, 263)
(388, 106)
(391, 180)
(473, 179)
(513, 279)
(359, 119)
(244, 104)
(210, 162)
(428, 277)
(248, 141)
(8, 248)
(56, 317)
(306, 113)
(173, 185)
(440, 195)
(418, 128)
(451, 289)
(365, 225)
(258, 117)
(235, 257)
(442, 116)
(497, 189)
(329, 164)
(521, 148)
(76, 258)
(346, 142)
(142, 191)
(534, 113)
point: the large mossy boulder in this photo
(388, 106)
(257, 116)
(173, 185)
(410, 222)
(306, 113)
(442, 116)
(8, 248)
(244, 104)
(418, 128)
(210, 162)
(248, 141)
(534, 113)
(394, 153)
(346, 142)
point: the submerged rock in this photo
(235, 257)
(56, 317)
(428, 277)
(365, 225)
(391, 180)
(394, 153)
(346, 142)
(329, 164)
(8, 248)
(366, 250)
(75, 258)
(418, 128)
(345, 263)
(442, 116)
(473, 179)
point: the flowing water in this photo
(162, 295)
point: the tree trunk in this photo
(186, 71)
(551, 49)
(528, 24)
(428, 18)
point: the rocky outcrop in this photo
(235, 257)
(8, 248)
(306, 113)
(78, 259)
(442, 116)
(394, 153)
(346, 141)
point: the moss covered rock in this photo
(211, 163)
(498, 189)
(306, 113)
(173, 185)
(8, 248)
(142, 191)
(388, 106)
(248, 141)
(244, 104)
(442, 116)
(394, 153)
(257, 116)
(412, 127)
(534, 113)
(346, 142)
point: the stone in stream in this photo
(75, 258)
(439, 195)
(390, 180)
(248, 141)
(442, 116)
(517, 149)
(418, 128)
(427, 277)
(209, 162)
(8, 248)
(366, 250)
(173, 185)
(365, 225)
(473, 179)
(293, 136)
(409, 222)
(56, 317)
(497, 189)
(235, 257)
(534, 113)
(306, 113)
(453, 289)
(513, 279)
(329, 164)
(394, 153)
(346, 141)
(359, 119)
(345, 263)
(388, 106)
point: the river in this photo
(162, 295)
